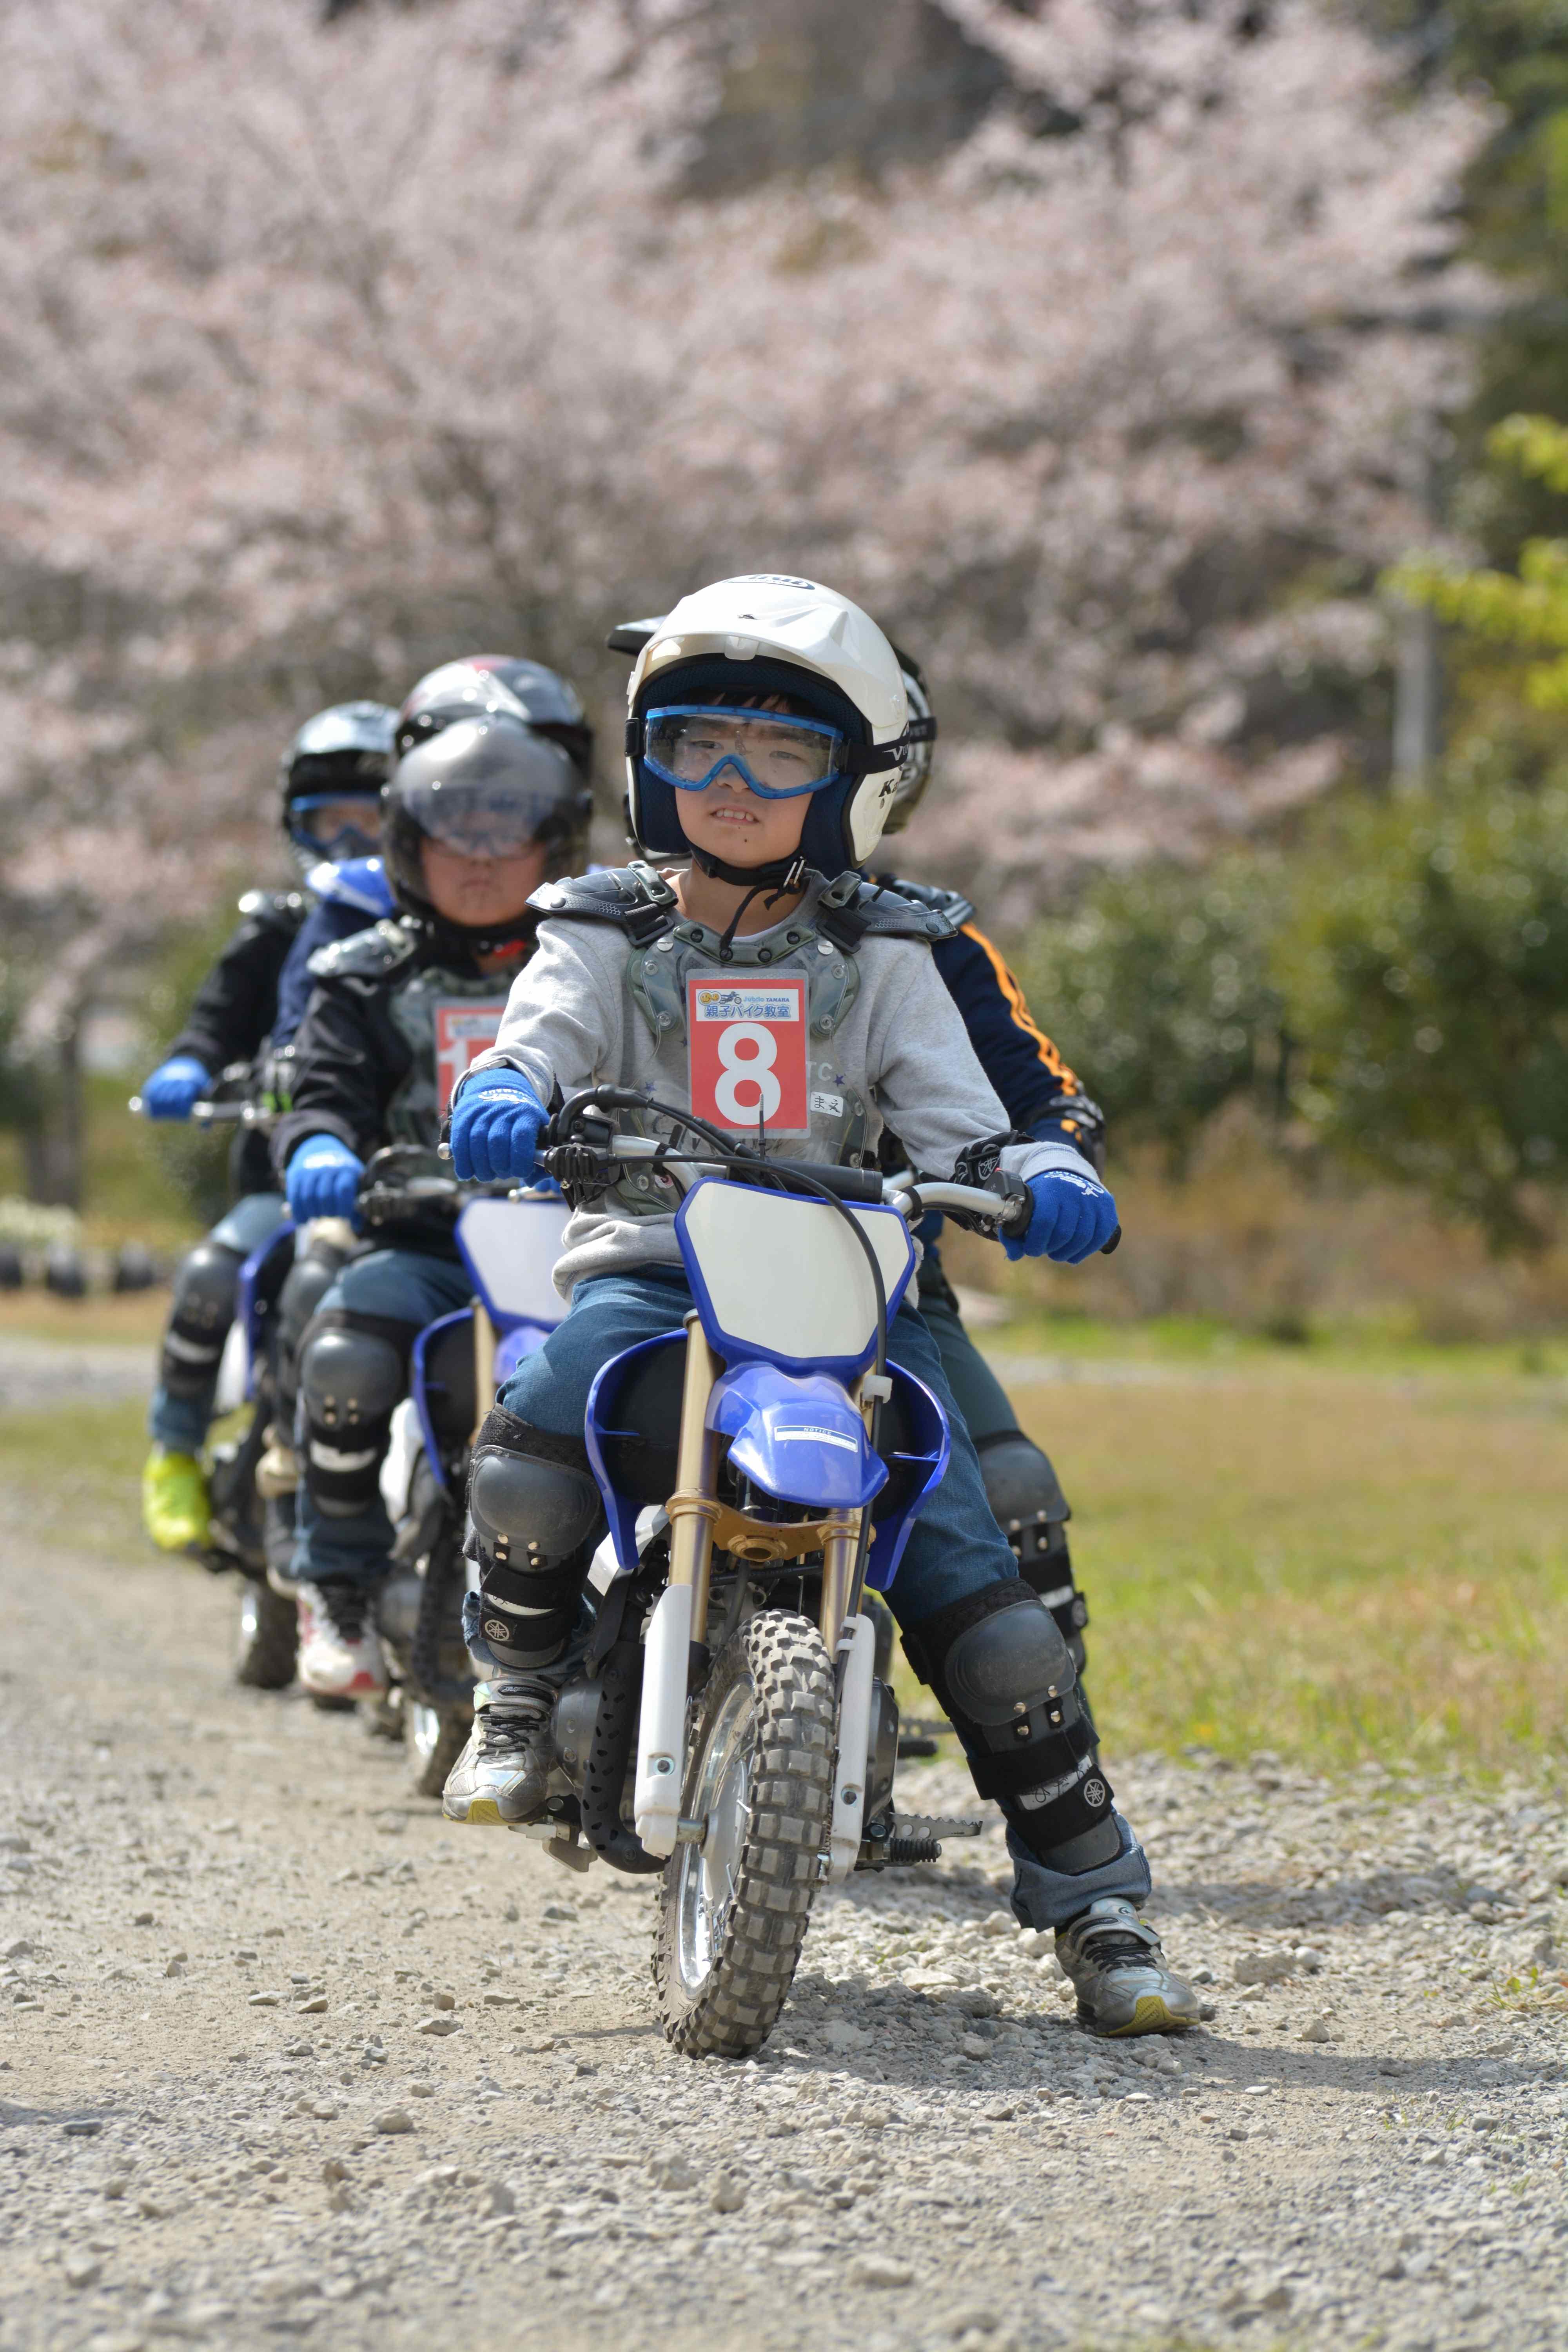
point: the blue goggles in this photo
(689, 746)
(336, 825)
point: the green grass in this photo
(1287, 1553)
(1332, 1566)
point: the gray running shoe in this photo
(1118, 1966)
(503, 1773)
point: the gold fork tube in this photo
(693, 1507)
(484, 1365)
(837, 1572)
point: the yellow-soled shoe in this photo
(174, 1507)
(1117, 1964)
(503, 1772)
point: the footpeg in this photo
(899, 1839)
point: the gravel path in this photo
(36, 1373)
(282, 2055)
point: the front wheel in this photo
(733, 1909)
(267, 1637)
(433, 1739)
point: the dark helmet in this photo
(490, 786)
(915, 773)
(498, 682)
(342, 753)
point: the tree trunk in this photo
(52, 1146)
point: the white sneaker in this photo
(340, 1650)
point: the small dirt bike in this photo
(266, 1636)
(509, 1240)
(761, 1470)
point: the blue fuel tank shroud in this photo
(917, 1466)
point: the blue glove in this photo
(322, 1178)
(174, 1087)
(1073, 1216)
(496, 1125)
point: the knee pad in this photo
(305, 1285)
(202, 1309)
(1028, 1505)
(999, 1664)
(351, 1379)
(536, 1517)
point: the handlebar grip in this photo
(1113, 1245)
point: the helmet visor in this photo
(488, 818)
(689, 746)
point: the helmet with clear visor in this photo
(501, 684)
(488, 788)
(331, 776)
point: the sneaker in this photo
(1118, 1966)
(340, 1650)
(503, 1772)
(174, 1507)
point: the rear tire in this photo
(268, 1637)
(433, 1739)
(733, 1911)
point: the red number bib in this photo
(746, 1042)
(464, 1029)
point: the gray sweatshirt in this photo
(572, 1021)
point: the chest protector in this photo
(446, 1018)
(751, 1029)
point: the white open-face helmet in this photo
(765, 634)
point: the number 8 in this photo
(756, 1068)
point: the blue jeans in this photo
(397, 1285)
(956, 1546)
(180, 1422)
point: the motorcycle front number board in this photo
(748, 1054)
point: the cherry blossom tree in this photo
(325, 350)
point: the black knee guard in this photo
(1000, 1667)
(352, 1372)
(536, 1517)
(205, 1291)
(1027, 1500)
(305, 1285)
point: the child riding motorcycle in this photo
(767, 726)
(475, 818)
(331, 777)
(1043, 1097)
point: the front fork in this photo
(681, 1615)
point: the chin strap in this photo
(780, 880)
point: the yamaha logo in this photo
(1094, 1793)
(496, 1632)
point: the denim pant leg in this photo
(180, 1422)
(610, 1313)
(399, 1285)
(956, 1548)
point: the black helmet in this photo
(489, 786)
(915, 773)
(498, 682)
(342, 753)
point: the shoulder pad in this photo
(852, 909)
(958, 909)
(370, 955)
(284, 907)
(637, 897)
(361, 884)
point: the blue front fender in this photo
(797, 1435)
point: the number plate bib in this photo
(747, 1054)
(463, 1031)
